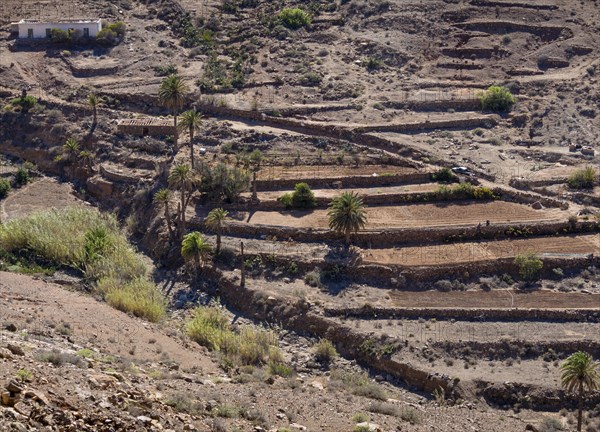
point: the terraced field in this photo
(418, 215)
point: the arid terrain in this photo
(475, 276)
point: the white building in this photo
(35, 29)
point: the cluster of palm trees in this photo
(194, 247)
(172, 93)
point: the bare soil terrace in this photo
(417, 215)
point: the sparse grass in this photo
(24, 375)
(582, 179)
(58, 358)
(86, 353)
(92, 243)
(360, 417)
(384, 408)
(250, 346)
(184, 402)
(324, 351)
(139, 297)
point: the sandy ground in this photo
(104, 328)
(417, 215)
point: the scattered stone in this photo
(37, 396)
(14, 387)
(298, 426)
(10, 327)
(102, 381)
(370, 426)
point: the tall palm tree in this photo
(215, 221)
(195, 248)
(94, 102)
(183, 178)
(581, 374)
(191, 120)
(163, 197)
(347, 214)
(171, 94)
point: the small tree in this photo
(347, 214)
(191, 120)
(215, 221)
(580, 374)
(497, 98)
(195, 249)
(530, 265)
(94, 101)
(171, 94)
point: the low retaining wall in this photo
(552, 315)
(345, 182)
(407, 236)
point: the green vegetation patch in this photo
(91, 243)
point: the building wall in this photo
(39, 29)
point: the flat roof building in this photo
(37, 29)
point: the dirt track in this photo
(418, 215)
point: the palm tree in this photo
(86, 159)
(191, 120)
(72, 148)
(347, 214)
(163, 196)
(172, 94)
(94, 102)
(215, 220)
(182, 177)
(580, 373)
(194, 247)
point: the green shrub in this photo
(93, 244)
(4, 188)
(280, 369)
(313, 278)
(25, 103)
(119, 28)
(303, 197)
(483, 193)
(530, 265)
(496, 98)
(373, 63)
(286, 200)
(444, 175)
(324, 351)
(22, 177)
(582, 179)
(58, 35)
(294, 18)
(360, 417)
(311, 79)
